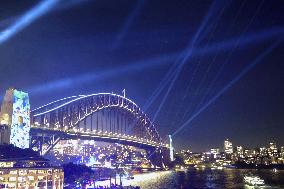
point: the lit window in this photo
(12, 179)
(11, 185)
(22, 172)
(40, 177)
(21, 179)
(13, 172)
(32, 171)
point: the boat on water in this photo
(129, 177)
(253, 180)
(181, 169)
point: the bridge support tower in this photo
(15, 119)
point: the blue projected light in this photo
(230, 84)
(20, 127)
(27, 19)
(127, 24)
(155, 62)
(187, 53)
(104, 74)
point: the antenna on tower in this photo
(124, 92)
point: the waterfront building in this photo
(31, 173)
(193, 158)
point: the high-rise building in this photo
(215, 152)
(249, 153)
(228, 147)
(263, 151)
(240, 152)
(272, 151)
(282, 152)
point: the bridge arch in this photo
(74, 116)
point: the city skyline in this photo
(88, 47)
(270, 156)
(232, 147)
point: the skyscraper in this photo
(282, 152)
(215, 152)
(273, 152)
(228, 147)
(240, 152)
(263, 151)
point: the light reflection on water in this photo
(215, 179)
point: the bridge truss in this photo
(103, 116)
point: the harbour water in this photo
(201, 179)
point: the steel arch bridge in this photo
(105, 117)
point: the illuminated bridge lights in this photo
(129, 138)
(102, 115)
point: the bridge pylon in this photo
(15, 119)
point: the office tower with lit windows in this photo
(281, 155)
(282, 152)
(240, 152)
(273, 152)
(215, 152)
(228, 147)
(263, 151)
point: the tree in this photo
(77, 173)
(11, 151)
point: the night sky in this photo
(82, 47)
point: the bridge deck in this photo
(98, 136)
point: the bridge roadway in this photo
(98, 136)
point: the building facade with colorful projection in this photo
(15, 119)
